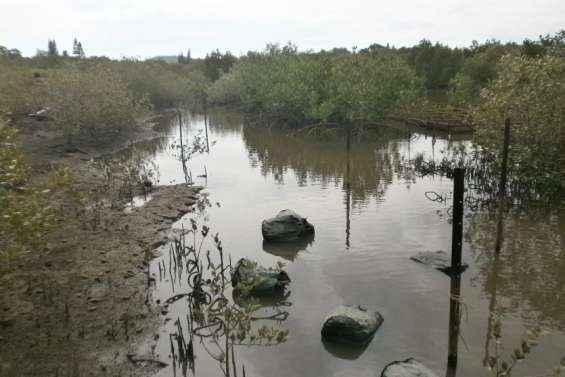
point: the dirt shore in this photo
(81, 307)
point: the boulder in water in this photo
(248, 278)
(407, 368)
(287, 225)
(351, 324)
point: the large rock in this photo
(351, 324)
(286, 226)
(439, 260)
(407, 368)
(248, 278)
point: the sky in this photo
(146, 28)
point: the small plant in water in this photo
(123, 180)
(218, 323)
(184, 150)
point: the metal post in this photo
(457, 233)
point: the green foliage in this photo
(226, 90)
(52, 48)
(531, 92)
(477, 71)
(215, 320)
(164, 86)
(11, 53)
(298, 87)
(27, 215)
(13, 170)
(365, 89)
(91, 99)
(217, 64)
(436, 64)
(78, 51)
(283, 86)
(16, 83)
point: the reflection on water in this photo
(325, 163)
(528, 277)
(455, 313)
(371, 214)
(288, 250)
(344, 351)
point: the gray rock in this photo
(248, 278)
(351, 324)
(286, 226)
(439, 260)
(407, 368)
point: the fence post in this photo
(206, 124)
(348, 188)
(457, 232)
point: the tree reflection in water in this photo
(527, 278)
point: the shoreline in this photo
(82, 306)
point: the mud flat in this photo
(80, 307)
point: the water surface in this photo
(371, 214)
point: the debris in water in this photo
(439, 260)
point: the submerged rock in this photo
(351, 324)
(286, 226)
(407, 368)
(248, 278)
(439, 260)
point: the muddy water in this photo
(365, 233)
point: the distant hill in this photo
(165, 58)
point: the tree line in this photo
(284, 85)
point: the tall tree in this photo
(216, 64)
(78, 51)
(81, 50)
(181, 59)
(52, 48)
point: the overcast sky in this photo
(145, 28)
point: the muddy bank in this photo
(46, 144)
(80, 307)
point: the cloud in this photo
(146, 28)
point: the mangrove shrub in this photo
(92, 100)
(163, 85)
(303, 87)
(531, 91)
(16, 83)
(366, 89)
